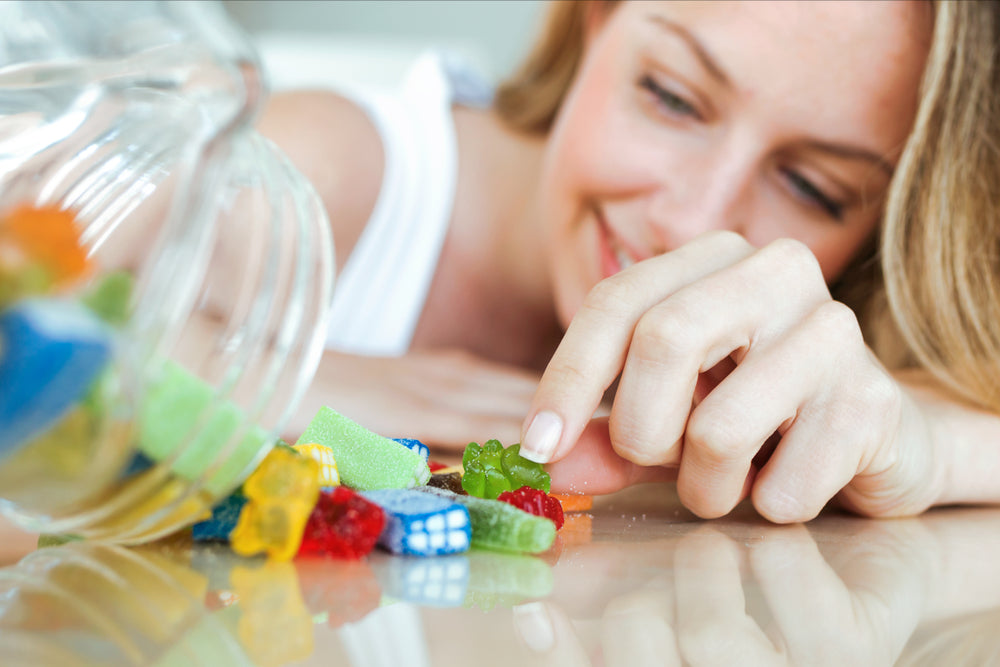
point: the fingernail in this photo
(534, 625)
(542, 436)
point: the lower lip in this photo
(609, 262)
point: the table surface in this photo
(637, 580)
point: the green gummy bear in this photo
(365, 460)
(491, 469)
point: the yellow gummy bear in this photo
(328, 473)
(281, 494)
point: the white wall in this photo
(493, 34)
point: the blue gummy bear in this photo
(415, 445)
(223, 521)
(420, 524)
(50, 354)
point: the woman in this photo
(679, 187)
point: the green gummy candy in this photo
(365, 460)
(491, 469)
(110, 299)
(501, 526)
(180, 411)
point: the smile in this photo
(614, 256)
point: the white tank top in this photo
(380, 293)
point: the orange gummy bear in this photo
(48, 235)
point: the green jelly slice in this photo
(501, 526)
(181, 415)
(365, 460)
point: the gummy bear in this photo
(281, 495)
(535, 502)
(274, 627)
(491, 469)
(343, 524)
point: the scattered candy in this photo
(281, 495)
(535, 502)
(414, 445)
(491, 469)
(328, 475)
(365, 460)
(574, 502)
(449, 481)
(225, 515)
(343, 524)
(420, 524)
(500, 526)
(51, 353)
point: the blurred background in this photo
(315, 43)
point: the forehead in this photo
(858, 62)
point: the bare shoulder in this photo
(334, 143)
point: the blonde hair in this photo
(927, 291)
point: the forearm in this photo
(964, 440)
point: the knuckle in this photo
(727, 240)
(633, 442)
(714, 441)
(667, 331)
(797, 259)
(608, 296)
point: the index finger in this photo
(593, 351)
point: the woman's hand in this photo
(739, 371)
(445, 398)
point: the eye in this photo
(672, 103)
(813, 195)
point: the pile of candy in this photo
(342, 489)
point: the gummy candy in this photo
(328, 475)
(574, 502)
(110, 298)
(436, 466)
(180, 414)
(503, 527)
(414, 445)
(491, 469)
(51, 352)
(223, 521)
(365, 460)
(282, 493)
(419, 524)
(39, 248)
(450, 481)
(535, 502)
(343, 524)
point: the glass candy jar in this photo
(138, 393)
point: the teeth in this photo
(623, 258)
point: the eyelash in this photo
(831, 207)
(674, 104)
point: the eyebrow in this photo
(706, 59)
(717, 73)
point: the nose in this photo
(710, 194)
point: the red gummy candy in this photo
(436, 465)
(535, 501)
(342, 524)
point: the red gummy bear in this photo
(342, 524)
(535, 501)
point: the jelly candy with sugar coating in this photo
(224, 518)
(535, 502)
(420, 524)
(281, 495)
(343, 524)
(328, 474)
(365, 460)
(491, 469)
(414, 445)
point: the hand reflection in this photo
(773, 599)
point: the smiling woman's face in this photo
(769, 119)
